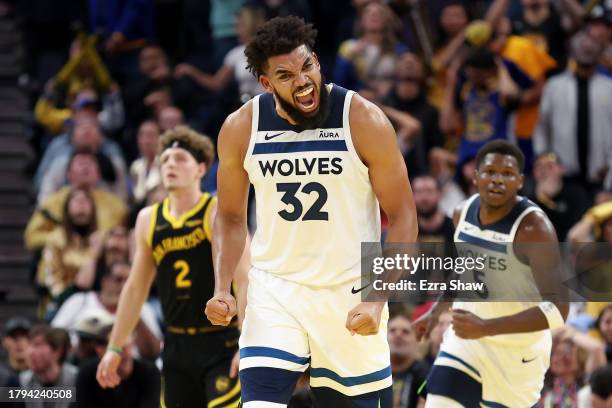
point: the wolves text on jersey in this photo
(301, 166)
(492, 263)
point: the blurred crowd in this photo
(107, 78)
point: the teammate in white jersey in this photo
(321, 159)
(495, 353)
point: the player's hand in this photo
(234, 367)
(96, 243)
(469, 326)
(364, 319)
(107, 375)
(221, 309)
(184, 69)
(424, 325)
(114, 42)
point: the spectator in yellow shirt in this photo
(83, 172)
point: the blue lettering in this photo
(267, 167)
(336, 163)
(289, 169)
(302, 166)
(324, 165)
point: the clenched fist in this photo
(221, 309)
(364, 318)
(469, 326)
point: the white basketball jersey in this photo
(506, 277)
(314, 200)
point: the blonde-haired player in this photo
(174, 246)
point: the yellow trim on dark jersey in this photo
(162, 394)
(152, 222)
(186, 215)
(207, 229)
(199, 330)
(220, 400)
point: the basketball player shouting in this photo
(321, 159)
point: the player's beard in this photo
(429, 212)
(313, 120)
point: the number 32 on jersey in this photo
(315, 212)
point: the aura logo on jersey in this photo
(326, 135)
(301, 166)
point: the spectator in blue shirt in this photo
(483, 100)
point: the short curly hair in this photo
(197, 141)
(278, 36)
(501, 147)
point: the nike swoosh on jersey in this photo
(527, 361)
(266, 137)
(354, 291)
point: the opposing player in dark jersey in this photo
(174, 247)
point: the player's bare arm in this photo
(535, 228)
(230, 226)
(241, 280)
(375, 142)
(240, 283)
(241, 276)
(133, 296)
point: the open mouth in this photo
(306, 99)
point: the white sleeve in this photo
(148, 317)
(112, 116)
(232, 57)
(66, 317)
(542, 137)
